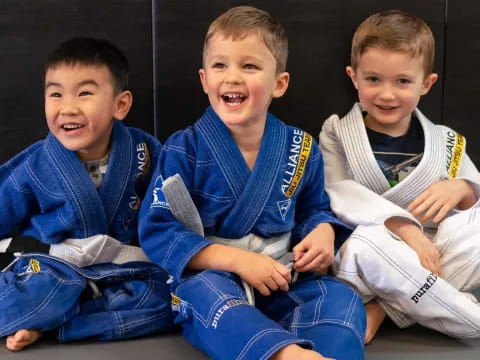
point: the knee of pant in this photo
(344, 307)
(207, 294)
(328, 301)
(367, 242)
(340, 343)
(209, 287)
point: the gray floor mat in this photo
(415, 343)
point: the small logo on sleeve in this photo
(33, 266)
(157, 190)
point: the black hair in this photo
(89, 51)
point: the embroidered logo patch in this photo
(431, 279)
(156, 190)
(135, 202)
(228, 305)
(297, 161)
(455, 151)
(175, 302)
(143, 159)
(284, 206)
(33, 266)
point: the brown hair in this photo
(241, 21)
(395, 30)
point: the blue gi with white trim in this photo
(283, 193)
(47, 194)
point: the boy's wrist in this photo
(218, 257)
(403, 228)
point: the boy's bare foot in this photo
(22, 338)
(295, 352)
(375, 317)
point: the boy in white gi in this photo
(78, 192)
(406, 184)
(258, 187)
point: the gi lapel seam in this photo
(251, 189)
(114, 185)
(80, 188)
(226, 153)
(427, 172)
(359, 153)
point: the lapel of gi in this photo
(121, 168)
(430, 169)
(251, 189)
(80, 189)
(359, 152)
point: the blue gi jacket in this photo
(46, 192)
(284, 192)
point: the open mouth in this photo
(386, 107)
(72, 126)
(233, 99)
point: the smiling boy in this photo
(406, 184)
(78, 192)
(258, 187)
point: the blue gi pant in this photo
(317, 312)
(41, 293)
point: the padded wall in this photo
(30, 29)
(319, 33)
(462, 76)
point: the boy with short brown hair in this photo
(258, 187)
(406, 184)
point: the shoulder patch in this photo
(455, 147)
(300, 148)
(156, 201)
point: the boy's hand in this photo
(442, 197)
(413, 236)
(263, 273)
(315, 252)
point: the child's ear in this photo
(352, 75)
(428, 82)
(123, 103)
(203, 80)
(281, 84)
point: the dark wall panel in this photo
(319, 33)
(462, 79)
(30, 29)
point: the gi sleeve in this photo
(352, 202)
(165, 240)
(18, 201)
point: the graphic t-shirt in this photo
(398, 156)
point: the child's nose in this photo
(69, 107)
(233, 76)
(387, 93)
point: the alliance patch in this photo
(455, 151)
(300, 149)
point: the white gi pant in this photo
(379, 265)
